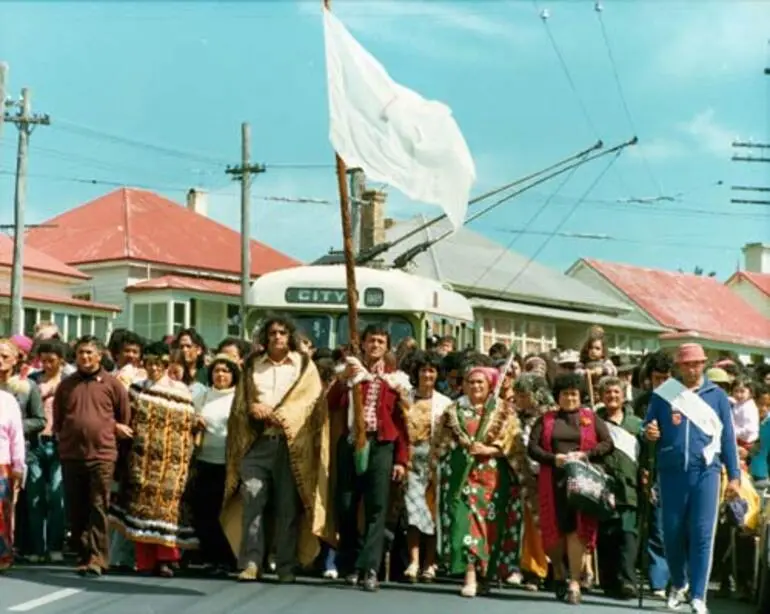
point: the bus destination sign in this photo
(373, 297)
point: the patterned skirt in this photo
(418, 512)
(6, 517)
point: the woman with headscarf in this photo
(479, 461)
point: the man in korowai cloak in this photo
(149, 508)
(277, 457)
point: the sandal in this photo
(469, 590)
(428, 574)
(410, 573)
(574, 595)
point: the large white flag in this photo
(392, 133)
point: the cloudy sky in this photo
(153, 94)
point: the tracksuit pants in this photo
(690, 508)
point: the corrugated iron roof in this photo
(476, 265)
(133, 224)
(60, 300)
(760, 280)
(35, 260)
(182, 282)
(687, 303)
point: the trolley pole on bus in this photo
(243, 174)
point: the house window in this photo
(151, 320)
(30, 319)
(45, 315)
(100, 328)
(60, 320)
(179, 313)
(233, 320)
(72, 327)
(86, 325)
(83, 296)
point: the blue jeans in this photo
(45, 499)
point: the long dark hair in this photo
(287, 323)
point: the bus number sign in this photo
(373, 297)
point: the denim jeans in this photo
(44, 494)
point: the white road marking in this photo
(45, 600)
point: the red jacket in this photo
(390, 416)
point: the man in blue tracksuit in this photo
(692, 423)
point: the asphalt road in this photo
(53, 590)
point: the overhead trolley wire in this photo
(599, 9)
(564, 220)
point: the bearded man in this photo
(277, 446)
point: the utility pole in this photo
(243, 174)
(3, 79)
(762, 157)
(357, 189)
(26, 122)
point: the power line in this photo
(564, 220)
(527, 225)
(598, 9)
(674, 242)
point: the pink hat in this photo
(490, 373)
(690, 352)
(24, 344)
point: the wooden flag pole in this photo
(359, 427)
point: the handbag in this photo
(589, 490)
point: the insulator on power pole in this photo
(598, 7)
(545, 14)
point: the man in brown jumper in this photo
(91, 411)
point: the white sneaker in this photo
(699, 607)
(676, 598)
(330, 574)
(660, 594)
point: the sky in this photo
(152, 94)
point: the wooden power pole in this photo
(762, 157)
(243, 174)
(357, 189)
(26, 122)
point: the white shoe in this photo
(660, 594)
(699, 607)
(330, 574)
(676, 598)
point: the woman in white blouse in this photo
(213, 407)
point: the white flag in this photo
(392, 133)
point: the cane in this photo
(644, 524)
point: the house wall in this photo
(107, 285)
(752, 295)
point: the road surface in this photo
(57, 590)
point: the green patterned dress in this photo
(480, 519)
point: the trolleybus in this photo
(315, 298)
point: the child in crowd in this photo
(745, 416)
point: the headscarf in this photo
(491, 374)
(537, 387)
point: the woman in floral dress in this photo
(479, 457)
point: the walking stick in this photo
(644, 524)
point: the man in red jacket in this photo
(388, 456)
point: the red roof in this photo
(35, 260)
(760, 280)
(132, 224)
(182, 282)
(60, 300)
(689, 303)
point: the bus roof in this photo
(311, 287)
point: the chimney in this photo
(372, 219)
(757, 257)
(197, 201)
(389, 223)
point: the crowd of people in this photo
(566, 471)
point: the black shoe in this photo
(370, 583)
(351, 579)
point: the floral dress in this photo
(480, 517)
